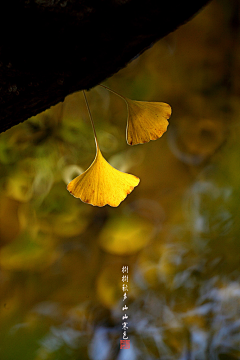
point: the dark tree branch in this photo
(51, 48)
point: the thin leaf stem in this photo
(114, 92)
(91, 119)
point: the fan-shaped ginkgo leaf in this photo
(101, 184)
(146, 121)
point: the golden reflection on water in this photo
(61, 259)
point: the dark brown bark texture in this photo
(51, 48)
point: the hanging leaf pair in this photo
(101, 184)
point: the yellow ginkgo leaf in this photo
(101, 184)
(146, 120)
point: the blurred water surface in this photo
(61, 292)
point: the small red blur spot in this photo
(124, 344)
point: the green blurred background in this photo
(178, 231)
